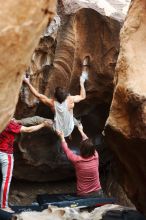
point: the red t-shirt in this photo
(7, 137)
(86, 171)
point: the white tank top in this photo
(63, 120)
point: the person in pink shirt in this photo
(86, 167)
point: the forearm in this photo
(82, 96)
(41, 97)
(70, 155)
(65, 148)
(32, 128)
(33, 90)
(82, 91)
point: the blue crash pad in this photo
(19, 209)
(72, 200)
(5, 215)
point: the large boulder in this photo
(21, 24)
(126, 125)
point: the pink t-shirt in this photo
(86, 171)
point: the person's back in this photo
(87, 174)
(63, 119)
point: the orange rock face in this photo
(126, 125)
(21, 24)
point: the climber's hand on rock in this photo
(26, 80)
(83, 77)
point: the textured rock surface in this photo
(21, 24)
(111, 8)
(75, 39)
(126, 125)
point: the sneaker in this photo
(7, 209)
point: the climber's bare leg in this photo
(35, 120)
(80, 128)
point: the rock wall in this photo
(21, 24)
(110, 8)
(126, 125)
(76, 38)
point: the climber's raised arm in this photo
(83, 78)
(82, 96)
(41, 97)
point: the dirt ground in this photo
(24, 193)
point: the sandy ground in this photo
(24, 193)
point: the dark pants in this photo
(35, 120)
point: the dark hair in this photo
(87, 148)
(60, 94)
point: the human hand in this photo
(83, 77)
(48, 123)
(26, 80)
(60, 134)
(86, 61)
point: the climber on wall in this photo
(6, 155)
(63, 104)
